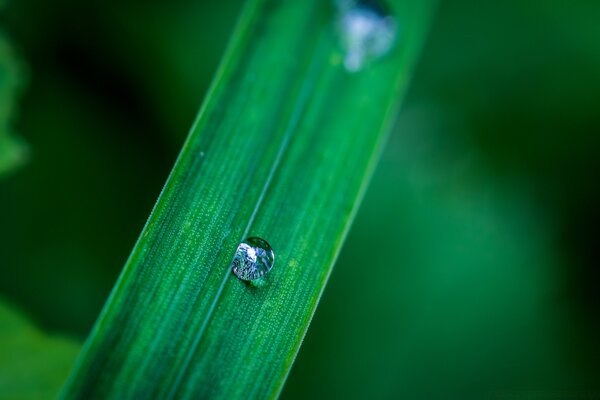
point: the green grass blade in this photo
(282, 149)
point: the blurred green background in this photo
(471, 270)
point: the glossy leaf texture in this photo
(282, 149)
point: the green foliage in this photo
(13, 151)
(33, 365)
(282, 149)
(481, 220)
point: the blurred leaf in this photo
(32, 365)
(282, 149)
(13, 151)
(81, 109)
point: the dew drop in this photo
(367, 31)
(253, 259)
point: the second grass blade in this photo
(282, 149)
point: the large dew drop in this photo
(367, 31)
(253, 259)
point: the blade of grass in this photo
(282, 149)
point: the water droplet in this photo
(367, 31)
(253, 259)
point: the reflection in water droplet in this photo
(253, 259)
(367, 31)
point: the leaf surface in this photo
(282, 149)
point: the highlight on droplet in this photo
(253, 259)
(367, 31)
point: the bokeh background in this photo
(471, 270)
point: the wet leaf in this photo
(282, 150)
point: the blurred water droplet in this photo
(253, 259)
(367, 31)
